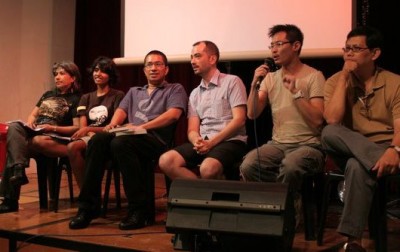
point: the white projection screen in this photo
(238, 27)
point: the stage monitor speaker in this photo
(231, 215)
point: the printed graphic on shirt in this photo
(98, 115)
(52, 110)
(143, 107)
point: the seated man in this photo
(155, 107)
(295, 95)
(362, 108)
(216, 121)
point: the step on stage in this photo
(33, 230)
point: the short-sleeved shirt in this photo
(372, 114)
(289, 125)
(99, 109)
(213, 104)
(57, 109)
(142, 107)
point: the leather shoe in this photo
(354, 247)
(134, 220)
(8, 206)
(19, 178)
(82, 219)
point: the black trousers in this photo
(127, 152)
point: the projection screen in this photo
(238, 27)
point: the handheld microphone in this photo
(272, 68)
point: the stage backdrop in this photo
(238, 27)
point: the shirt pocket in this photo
(220, 108)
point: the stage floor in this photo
(32, 227)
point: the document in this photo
(55, 136)
(120, 131)
(36, 130)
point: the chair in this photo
(3, 146)
(377, 222)
(63, 164)
(49, 172)
(312, 200)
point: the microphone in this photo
(272, 68)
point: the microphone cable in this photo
(255, 134)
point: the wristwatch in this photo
(396, 148)
(298, 95)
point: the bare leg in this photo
(48, 146)
(173, 165)
(76, 150)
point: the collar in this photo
(214, 80)
(163, 84)
(377, 81)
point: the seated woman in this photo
(55, 113)
(95, 110)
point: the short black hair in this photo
(156, 52)
(293, 33)
(374, 38)
(211, 47)
(106, 65)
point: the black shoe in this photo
(82, 219)
(19, 178)
(353, 247)
(134, 220)
(8, 206)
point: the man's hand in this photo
(349, 66)
(289, 82)
(388, 163)
(202, 146)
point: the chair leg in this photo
(107, 191)
(57, 184)
(324, 210)
(308, 207)
(150, 191)
(70, 183)
(117, 186)
(41, 167)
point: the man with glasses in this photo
(362, 108)
(216, 122)
(155, 107)
(295, 95)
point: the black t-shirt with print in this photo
(99, 109)
(57, 109)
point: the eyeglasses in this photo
(157, 64)
(354, 49)
(279, 44)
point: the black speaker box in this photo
(231, 215)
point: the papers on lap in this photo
(55, 136)
(119, 131)
(26, 126)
